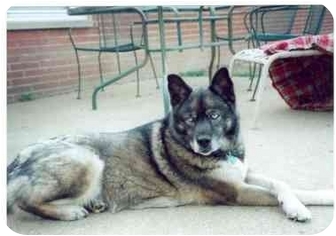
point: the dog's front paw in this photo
(297, 212)
(74, 213)
(293, 208)
(96, 206)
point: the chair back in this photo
(271, 23)
(118, 29)
(315, 19)
(281, 22)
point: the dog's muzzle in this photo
(203, 145)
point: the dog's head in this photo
(204, 120)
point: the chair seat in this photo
(251, 55)
(269, 37)
(260, 57)
(120, 48)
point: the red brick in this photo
(14, 74)
(49, 62)
(26, 81)
(34, 72)
(54, 75)
(23, 66)
(50, 84)
(15, 34)
(18, 89)
(19, 51)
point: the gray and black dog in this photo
(195, 155)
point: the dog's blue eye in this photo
(213, 115)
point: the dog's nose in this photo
(204, 142)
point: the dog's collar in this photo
(231, 158)
(227, 156)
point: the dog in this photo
(195, 155)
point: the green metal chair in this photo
(114, 37)
(272, 23)
(230, 36)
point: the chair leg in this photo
(257, 84)
(100, 69)
(137, 73)
(231, 66)
(212, 60)
(263, 79)
(252, 75)
(218, 58)
(154, 71)
(79, 75)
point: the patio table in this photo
(208, 14)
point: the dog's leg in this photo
(59, 185)
(291, 205)
(315, 197)
(307, 197)
(45, 200)
(252, 195)
(56, 212)
(159, 202)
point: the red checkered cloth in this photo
(304, 82)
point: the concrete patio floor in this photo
(293, 146)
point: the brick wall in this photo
(42, 63)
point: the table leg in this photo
(163, 60)
(213, 40)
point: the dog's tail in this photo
(12, 190)
(15, 184)
(316, 197)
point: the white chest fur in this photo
(233, 171)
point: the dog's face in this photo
(204, 120)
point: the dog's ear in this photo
(178, 89)
(222, 85)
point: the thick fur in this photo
(195, 155)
